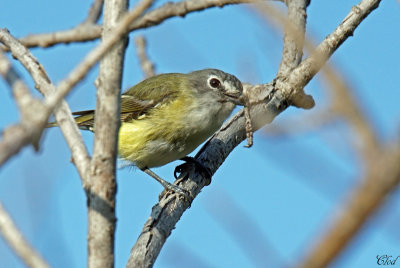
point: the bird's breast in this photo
(171, 134)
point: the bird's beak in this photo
(236, 98)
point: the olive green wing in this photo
(158, 87)
(137, 101)
(142, 98)
(131, 108)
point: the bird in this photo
(167, 116)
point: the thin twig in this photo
(311, 65)
(146, 64)
(17, 242)
(307, 69)
(20, 91)
(295, 28)
(53, 96)
(248, 125)
(369, 195)
(293, 44)
(94, 12)
(33, 112)
(62, 113)
(89, 32)
(80, 71)
(344, 104)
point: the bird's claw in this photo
(190, 161)
(178, 190)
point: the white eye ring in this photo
(214, 82)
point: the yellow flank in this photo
(141, 140)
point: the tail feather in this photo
(51, 124)
(84, 120)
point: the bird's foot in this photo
(190, 162)
(169, 186)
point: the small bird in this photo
(167, 116)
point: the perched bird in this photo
(165, 117)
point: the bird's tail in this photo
(51, 124)
(84, 120)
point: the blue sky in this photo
(277, 197)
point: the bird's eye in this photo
(214, 82)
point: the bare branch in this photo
(370, 194)
(80, 71)
(311, 65)
(249, 126)
(33, 112)
(293, 43)
(19, 89)
(343, 104)
(295, 28)
(17, 242)
(81, 33)
(53, 96)
(101, 193)
(94, 12)
(145, 63)
(267, 102)
(35, 69)
(96, 196)
(89, 32)
(181, 9)
(62, 113)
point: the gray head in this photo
(226, 85)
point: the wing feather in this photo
(137, 101)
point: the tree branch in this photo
(94, 12)
(16, 241)
(102, 189)
(146, 64)
(62, 113)
(343, 103)
(32, 110)
(89, 32)
(311, 65)
(301, 75)
(295, 28)
(55, 96)
(120, 29)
